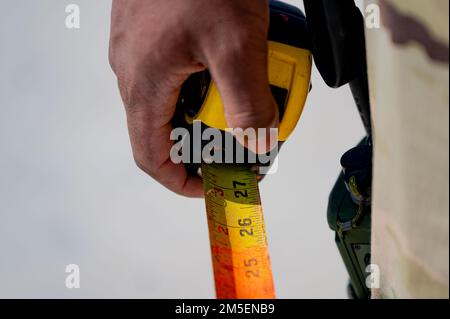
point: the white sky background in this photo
(70, 192)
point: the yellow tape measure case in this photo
(289, 65)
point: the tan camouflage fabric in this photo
(409, 78)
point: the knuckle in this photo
(128, 92)
(141, 164)
(135, 88)
(236, 46)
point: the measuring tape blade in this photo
(237, 233)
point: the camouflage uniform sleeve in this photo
(408, 76)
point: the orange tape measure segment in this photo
(237, 234)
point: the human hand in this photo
(155, 45)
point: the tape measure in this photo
(237, 233)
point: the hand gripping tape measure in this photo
(237, 234)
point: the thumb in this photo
(241, 77)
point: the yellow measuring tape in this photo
(237, 234)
